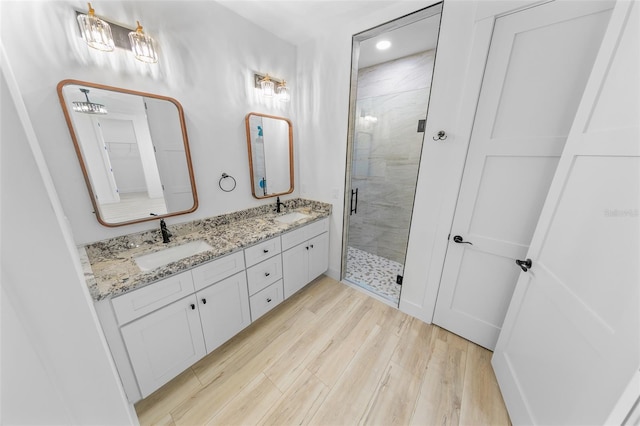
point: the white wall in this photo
(207, 58)
(55, 363)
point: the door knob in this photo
(525, 265)
(458, 239)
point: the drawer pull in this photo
(193, 307)
(266, 274)
(268, 300)
(204, 301)
(265, 251)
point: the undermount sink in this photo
(150, 261)
(291, 217)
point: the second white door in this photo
(538, 64)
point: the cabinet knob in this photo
(307, 247)
(266, 274)
(268, 300)
(193, 307)
(265, 251)
(204, 301)
(311, 245)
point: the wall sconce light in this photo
(266, 85)
(269, 86)
(88, 107)
(142, 46)
(95, 31)
(283, 92)
(104, 35)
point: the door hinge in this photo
(399, 279)
(421, 125)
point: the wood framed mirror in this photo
(133, 150)
(270, 148)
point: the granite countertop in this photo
(110, 269)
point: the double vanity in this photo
(165, 306)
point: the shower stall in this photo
(389, 101)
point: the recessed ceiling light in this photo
(383, 44)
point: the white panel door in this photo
(570, 345)
(537, 68)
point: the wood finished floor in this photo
(331, 355)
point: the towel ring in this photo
(224, 176)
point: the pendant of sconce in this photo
(95, 31)
(142, 46)
(283, 92)
(88, 107)
(267, 87)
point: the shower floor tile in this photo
(374, 273)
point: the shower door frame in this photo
(353, 97)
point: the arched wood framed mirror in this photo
(133, 150)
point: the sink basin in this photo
(291, 217)
(150, 261)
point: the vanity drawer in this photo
(140, 302)
(217, 270)
(265, 300)
(300, 235)
(262, 251)
(264, 273)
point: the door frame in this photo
(464, 42)
(401, 21)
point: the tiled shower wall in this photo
(392, 97)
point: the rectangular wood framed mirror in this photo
(270, 149)
(133, 150)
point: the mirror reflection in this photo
(133, 151)
(270, 148)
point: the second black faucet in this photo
(278, 204)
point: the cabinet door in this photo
(224, 310)
(318, 255)
(295, 269)
(164, 343)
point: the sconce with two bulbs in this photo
(270, 87)
(98, 34)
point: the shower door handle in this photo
(354, 205)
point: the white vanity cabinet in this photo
(264, 276)
(160, 329)
(157, 331)
(164, 343)
(223, 300)
(224, 310)
(305, 255)
(167, 326)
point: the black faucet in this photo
(166, 235)
(278, 204)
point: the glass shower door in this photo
(386, 142)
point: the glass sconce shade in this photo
(283, 92)
(88, 107)
(95, 31)
(142, 46)
(267, 87)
